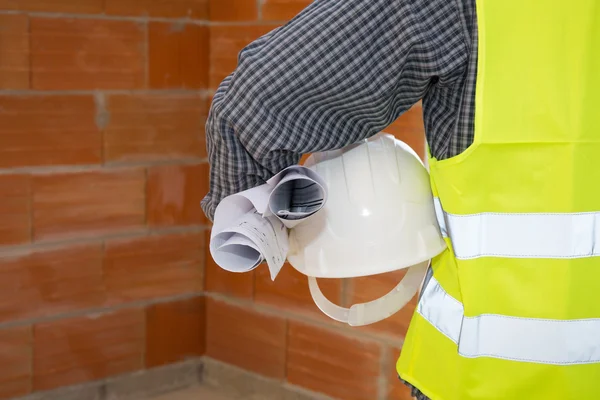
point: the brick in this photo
(14, 51)
(225, 44)
(233, 10)
(70, 54)
(155, 127)
(396, 389)
(290, 290)
(330, 363)
(218, 280)
(154, 266)
(410, 129)
(282, 10)
(49, 282)
(57, 6)
(175, 331)
(87, 203)
(245, 338)
(232, 284)
(372, 287)
(174, 193)
(40, 130)
(195, 9)
(76, 350)
(177, 55)
(15, 362)
(15, 210)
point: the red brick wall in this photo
(103, 262)
(102, 167)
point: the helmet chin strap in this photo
(376, 310)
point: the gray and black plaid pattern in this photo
(339, 72)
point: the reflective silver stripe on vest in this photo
(539, 235)
(541, 341)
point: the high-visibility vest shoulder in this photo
(512, 310)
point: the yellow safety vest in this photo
(512, 311)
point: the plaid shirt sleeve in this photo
(340, 71)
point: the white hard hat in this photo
(379, 217)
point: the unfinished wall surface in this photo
(103, 261)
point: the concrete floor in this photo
(198, 393)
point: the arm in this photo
(340, 71)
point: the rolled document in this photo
(298, 194)
(251, 227)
